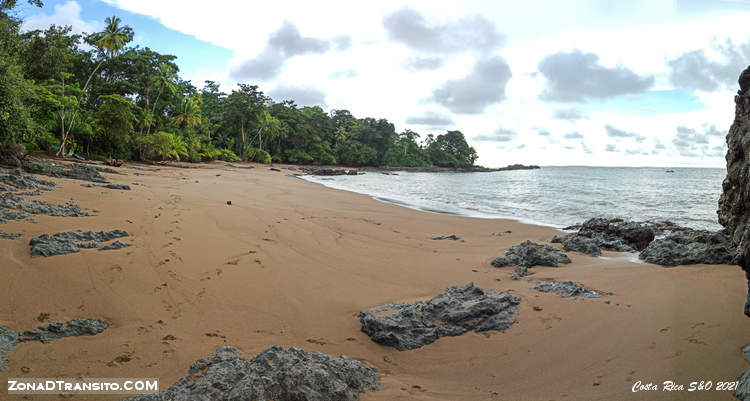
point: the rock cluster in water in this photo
(71, 241)
(276, 374)
(567, 289)
(611, 234)
(528, 254)
(688, 246)
(734, 203)
(453, 312)
(45, 334)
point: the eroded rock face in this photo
(75, 171)
(276, 374)
(687, 246)
(453, 312)
(528, 254)
(71, 241)
(618, 232)
(734, 203)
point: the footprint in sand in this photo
(116, 268)
(318, 341)
(664, 330)
(43, 317)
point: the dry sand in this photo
(292, 262)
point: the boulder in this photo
(734, 203)
(633, 234)
(528, 254)
(71, 241)
(276, 374)
(74, 327)
(688, 246)
(453, 312)
(8, 339)
(567, 289)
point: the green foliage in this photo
(113, 124)
(451, 150)
(227, 155)
(164, 146)
(15, 116)
(258, 156)
(352, 153)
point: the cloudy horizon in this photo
(590, 82)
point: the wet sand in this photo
(292, 262)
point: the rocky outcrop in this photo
(115, 245)
(734, 203)
(8, 339)
(121, 187)
(567, 289)
(617, 232)
(71, 241)
(528, 254)
(452, 237)
(14, 205)
(45, 334)
(74, 327)
(276, 374)
(76, 171)
(15, 180)
(687, 246)
(453, 312)
(5, 235)
(578, 243)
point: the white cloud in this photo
(68, 13)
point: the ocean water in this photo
(554, 196)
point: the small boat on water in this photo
(670, 171)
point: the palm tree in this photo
(164, 81)
(110, 43)
(189, 114)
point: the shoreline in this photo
(291, 263)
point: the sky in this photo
(580, 82)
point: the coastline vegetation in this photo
(96, 96)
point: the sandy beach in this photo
(292, 262)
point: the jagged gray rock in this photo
(567, 289)
(275, 374)
(734, 203)
(453, 312)
(75, 171)
(71, 241)
(6, 215)
(53, 331)
(688, 246)
(115, 245)
(5, 235)
(578, 243)
(122, 187)
(451, 237)
(13, 202)
(8, 339)
(16, 180)
(528, 254)
(743, 389)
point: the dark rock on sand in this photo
(276, 374)
(74, 327)
(328, 171)
(451, 237)
(8, 339)
(115, 245)
(633, 234)
(12, 201)
(688, 246)
(743, 389)
(71, 241)
(567, 289)
(528, 254)
(75, 171)
(453, 312)
(16, 180)
(734, 203)
(121, 187)
(5, 235)
(578, 243)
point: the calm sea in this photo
(554, 196)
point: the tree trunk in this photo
(61, 151)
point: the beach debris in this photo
(274, 169)
(688, 246)
(113, 162)
(528, 254)
(567, 289)
(5, 235)
(451, 237)
(453, 312)
(8, 339)
(229, 203)
(74, 327)
(115, 245)
(71, 241)
(276, 374)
